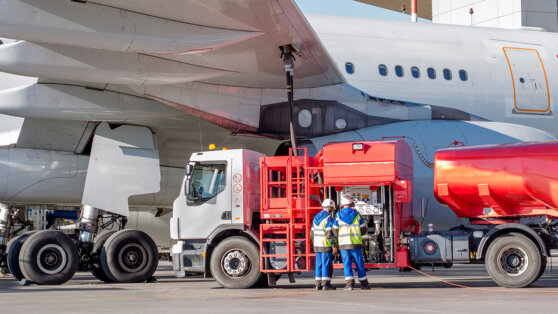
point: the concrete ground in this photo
(392, 292)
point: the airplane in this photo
(125, 89)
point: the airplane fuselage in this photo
(497, 74)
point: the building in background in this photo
(497, 13)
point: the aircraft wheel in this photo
(13, 249)
(129, 256)
(98, 243)
(235, 263)
(513, 261)
(48, 258)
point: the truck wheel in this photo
(48, 258)
(235, 263)
(98, 243)
(513, 261)
(543, 267)
(129, 256)
(13, 249)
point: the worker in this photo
(323, 238)
(349, 227)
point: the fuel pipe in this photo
(288, 61)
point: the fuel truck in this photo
(245, 218)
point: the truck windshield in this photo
(207, 181)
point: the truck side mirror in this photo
(187, 188)
(189, 169)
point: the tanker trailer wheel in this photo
(98, 243)
(14, 248)
(129, 256)
(48, 258)
(513, 261)
(235, 263)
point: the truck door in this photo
(208, 200)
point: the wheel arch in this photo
(499, 230)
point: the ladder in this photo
(287, 211)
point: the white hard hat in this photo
(346, 200)
(328, 203)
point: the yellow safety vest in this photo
(349, 234)
(320, 239)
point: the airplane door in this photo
(530, 84)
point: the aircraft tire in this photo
(13, 249)
(129, 256)
(49, 258)
(235, 263)
(98, 243)
(513, 261)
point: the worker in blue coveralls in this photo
(349, 227)
(323, 238)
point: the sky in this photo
(347, 8)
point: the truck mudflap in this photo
(435, 248)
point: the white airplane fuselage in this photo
(509, 74)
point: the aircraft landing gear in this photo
(52, 257)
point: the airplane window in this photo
(383, 70)
(522, 80)
(463, 75)
(1, 42)
(350, 67)
(447, 74)
(415, 72)
(431, 73)
(399, 70)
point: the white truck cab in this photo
(219, 199)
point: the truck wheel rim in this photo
(132, 257)
(51, 259)
(235, 263)
(513, 261)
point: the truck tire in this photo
(129, 256)
(13, 249)
(98, 243)
(543, 268)
(513, 261)
(48, 258)
(235, 263)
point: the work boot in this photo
(318, 285)
(350, 285)
(327, 285)
(364, 285)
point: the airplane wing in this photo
(229, 43)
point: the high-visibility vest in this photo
(320, 239)
(349, 233)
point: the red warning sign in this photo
(237, 177)
(237, 188)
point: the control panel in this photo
(367, 201)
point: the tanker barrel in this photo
(498, 181)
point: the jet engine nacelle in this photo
(36, 176)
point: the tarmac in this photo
(460, 289)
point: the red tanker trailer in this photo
(496, 186)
